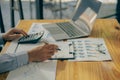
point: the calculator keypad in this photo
(31, 38)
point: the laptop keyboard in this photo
(69, 29)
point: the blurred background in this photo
(52, 9)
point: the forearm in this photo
(12, 61)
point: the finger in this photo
(47, 45)
(24, 33)
(42, 60)
(46, 42)
(15, 36)
(48, 57)
(51, 46)
(20, 31)
(55, 48)
(51, 52)
(45, 58)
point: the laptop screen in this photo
(86, 10)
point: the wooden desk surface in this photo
(104, 70)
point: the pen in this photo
(58, 49)
(46, 42)
(101, 51)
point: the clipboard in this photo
(66, 51)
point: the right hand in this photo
(42, 53)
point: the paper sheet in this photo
(37, 27)
(64, 46)
(90, 49)
(35, 71)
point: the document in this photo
(35, 28)
(90, 49)
(39, 70)
(35, 71)
(65, 49)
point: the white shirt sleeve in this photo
(12, 61)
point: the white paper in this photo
(64, 47)
(35, 71)
(90, 49)
(65, 52)
(37, 27)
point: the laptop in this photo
(81, 23)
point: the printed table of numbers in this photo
(90, 49)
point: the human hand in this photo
(13, 33)
(42, 53)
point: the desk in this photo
(105, 28)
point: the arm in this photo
(12, 61)
(11, 35)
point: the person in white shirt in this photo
(9, 62)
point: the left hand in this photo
(13, 33)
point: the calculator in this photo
(31, 38)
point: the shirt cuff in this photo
(22, 58)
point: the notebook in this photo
(80, 25)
